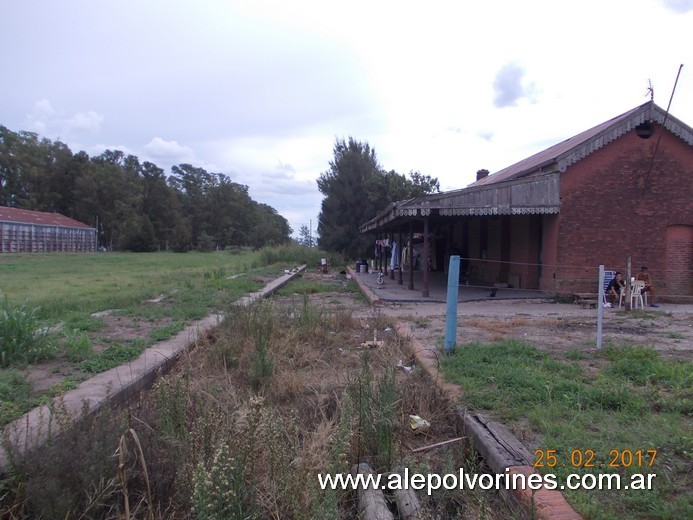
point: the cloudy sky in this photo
(260, 89)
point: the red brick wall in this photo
(549, 260)
(524, 247)
(610, 209)
(679, 279)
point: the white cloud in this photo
(42, 108)
(44, 119)
(168, 153)
(509, 86)
(85, 121)
(679, 6)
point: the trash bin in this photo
(361, 266)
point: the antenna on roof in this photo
(659, 138)
(650, 90)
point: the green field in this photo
(48, 306)
(64, 284)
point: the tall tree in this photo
(110, 191)
(160, 205)
(193, 186)
(345, 205)
(355, 189)
(270, 228)
(231, 213)
(305, 238)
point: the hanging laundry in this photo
(394, 261)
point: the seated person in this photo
(644, 276)
(616, 285)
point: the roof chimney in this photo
(480, 174)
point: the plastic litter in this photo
(403, 367)
(418, 424)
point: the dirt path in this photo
(554, 327)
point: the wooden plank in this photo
(437, 444)
(372, 504)
(585, 296)
(495, 443)
(408, 505)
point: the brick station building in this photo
(623, 188)
(25, 231)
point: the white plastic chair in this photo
(636, 295)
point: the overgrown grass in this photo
(63, 291)
(23, 338)
(111, 357)
(166, 332)
(634, 400)
(293, 253)
(242, 427)
(377, 401)
(70, 287)
(15, 395)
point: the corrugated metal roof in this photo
(39, 218)
(532, 183)
(563, 154)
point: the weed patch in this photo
(111, 357)
(164, 333)
(22, 336)
(15, 395)
(76, 345)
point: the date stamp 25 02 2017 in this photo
(587, 458)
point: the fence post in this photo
(451, 312)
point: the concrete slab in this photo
(393, 291)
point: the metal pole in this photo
(451, 310)
(600, 306)
(628, 284)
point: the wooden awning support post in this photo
(399, 258)
(424, 260)
(411, 257)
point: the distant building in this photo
(24, 231)
(623, 188)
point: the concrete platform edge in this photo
(543, 504)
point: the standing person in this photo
(644, 276)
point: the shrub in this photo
(22, 339)
(77, 345)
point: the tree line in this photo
(134, 205)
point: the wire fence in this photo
(568, 279)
